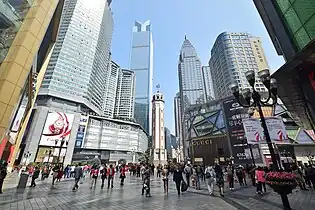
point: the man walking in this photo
(78, 174)
(103, 175)
(110, 175)
(3, 174)
(35, 176)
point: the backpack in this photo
(229, 171)
(209, 174)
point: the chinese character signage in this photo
(234, 114)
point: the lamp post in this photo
(62, 141)
(251, 98)
(26, 156)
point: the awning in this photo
(289, 90)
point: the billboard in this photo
(58, 125)
(234, 115)
(81, 131)
(18, 118)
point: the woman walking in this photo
(260, 180)
(219, 179)
(210, 178)
(178, 178)
(165, 179)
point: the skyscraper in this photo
(141, 62)
(208, 83)
(232, 55)
(178, 119)
(290, 25)
(79, 64)
(125, 98)
(190, 76)
(191, 86)
(110, 92)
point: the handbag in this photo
(184, 186)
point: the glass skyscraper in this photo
(141, 62)
(80, 61)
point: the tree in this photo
(145, 157)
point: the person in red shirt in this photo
(122, 174)
(110, 175)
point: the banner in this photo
(81, 131)
(277, 131)
(58, 126)
(234, 114)
(253, 131)
(18, 118)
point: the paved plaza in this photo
(60, 196)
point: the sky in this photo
(201, 20)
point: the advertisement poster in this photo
(277, 131)
(18, 118)
(234, 114)
(81, 131)
(253, 131)
(58, 126)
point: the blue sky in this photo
(201, 20)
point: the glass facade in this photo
(191, 84)
(142, 64)
(79, 66)
(299, 17)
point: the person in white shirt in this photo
(210, 178)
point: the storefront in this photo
(305, 153)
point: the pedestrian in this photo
(122, 174)
(159, 170)
(78, 174)
(35, 176)
(152, 169)
(94, 176)
(219, 178)
(199, 176)
(239, 174)
(177, 178)
(142, 171)
(210, 178)
(60, 173)
(3, 174)
(103, 173)
(110, 176)
(146, 182)
(299, 177)
(138, 170)
(187, 171)
(260, 180)
(310, 174)
(55, 173)
(230, 176)
(165, 179)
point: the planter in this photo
(282, 188)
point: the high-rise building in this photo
(232, 55)
(110, 92)
(141, 62)
(191, 85)
(190, 76)
(158, 140)
(26, 39)
(178, 119)
(290, 25)
(125, 98)
(208, 83)
(78, 68)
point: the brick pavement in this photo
(127, 197)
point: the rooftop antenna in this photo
(158, 88)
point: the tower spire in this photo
(185, 36)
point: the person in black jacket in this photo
(177, 178)
(35, 176)
(3, 174)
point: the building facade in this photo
(232, 55)
(141, 62)
(78, 68)
(125, 98)
(208, 83)
(290, 26)
(158, 139)
(191, 85)
(23, 48)
(178, 122)
(110, 91)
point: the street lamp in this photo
(62, 141)
(26, 156)
(253, 99)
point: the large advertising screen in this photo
(58, 126)
(234, 113)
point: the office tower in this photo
(178, 119)
(22, 33)
(232, 55)
(208, 83)
(110, 91)
(190, 76)
(168, 140)
(159, 150)
(78, 67)
(125, 98)
(191, 86)
(290, 25)
(141, 62)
